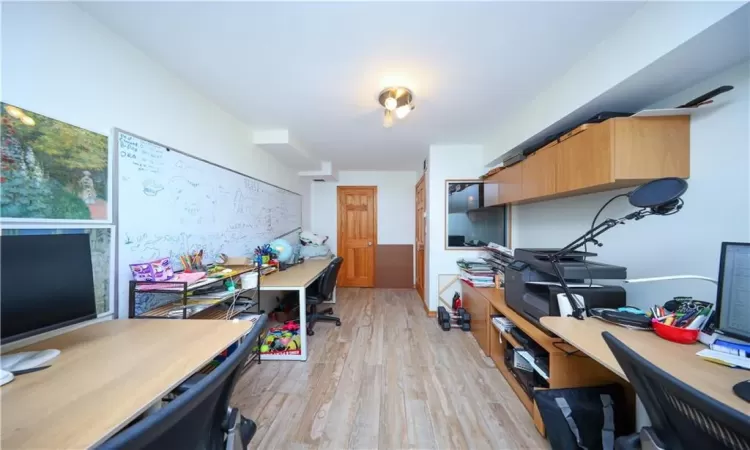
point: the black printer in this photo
(531, 286)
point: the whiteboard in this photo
(169, 203)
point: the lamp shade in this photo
(657, 193)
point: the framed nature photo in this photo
(51, 170)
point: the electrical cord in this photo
(593, 224)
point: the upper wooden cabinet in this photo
(539, 173)
(618, 153)
(505, 186)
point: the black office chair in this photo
(682, 418)
(323, 292)
(200, 418)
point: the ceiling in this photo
(316, 69)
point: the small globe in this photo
(283, 249)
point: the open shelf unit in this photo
(180, 304)
(567, 367)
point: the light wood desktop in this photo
(678, 360)
(300, 275)
(296, 278)
(107, 375)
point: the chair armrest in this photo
(189, 383)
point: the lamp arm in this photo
(589, 236)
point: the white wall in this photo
(654, 30)
(60, 62)
(396, 204)
(445, 162)
(717, 205)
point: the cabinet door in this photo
(539, 173)
(504, 186)
(586, 159)
(478, 307)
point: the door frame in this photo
(374, 190)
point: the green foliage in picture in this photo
(50, 169)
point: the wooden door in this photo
(357, 233)
(419, 237)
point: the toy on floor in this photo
(281, 339)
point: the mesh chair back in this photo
(682, 417)
(328, 279)
(193, 420)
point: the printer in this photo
(531, 286)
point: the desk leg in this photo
(303, 322)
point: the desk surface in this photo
(297, 276)
(107, 374)
(679, 360)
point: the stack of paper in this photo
(732, 348)
(476, 272)
(503, 324)
(724, 358)
(498, 257)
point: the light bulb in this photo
(403, 111)
(390, 103)
(14, 112)
(26, 120)
(388, 119)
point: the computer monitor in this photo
(46, 282)
(733, 300)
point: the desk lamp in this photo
(660, 197)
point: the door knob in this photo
(369, 243)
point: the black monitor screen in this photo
(734, 290)
(46, 282)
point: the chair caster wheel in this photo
(338, 323)
(310, 332)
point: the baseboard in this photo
(428, 312)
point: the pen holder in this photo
(674, 334)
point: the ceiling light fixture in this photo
(398, 100)
(388, 119)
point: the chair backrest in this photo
(194, 419)
(682, 417)
(328, 280)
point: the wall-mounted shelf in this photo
(618, 153)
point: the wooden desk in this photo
(296, 278)
(563, 371)
(678, 360)
(107, 374)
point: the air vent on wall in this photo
(319, 180)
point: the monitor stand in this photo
(27, 360)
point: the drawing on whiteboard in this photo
(192, 205)
(150, 187)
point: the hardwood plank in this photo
(387, 378)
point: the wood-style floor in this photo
(387, 378)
